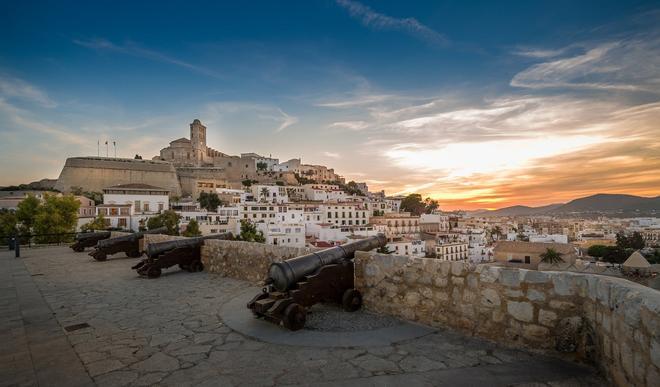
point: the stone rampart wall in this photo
(245, 260)
(610, 321)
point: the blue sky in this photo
(458, 100)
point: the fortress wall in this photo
(97, 173)
(612, 322)
(246, 261)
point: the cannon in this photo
(184, 252)
(294, 285)
(88, 239)
(129, 244)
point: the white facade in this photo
(412, 248)
(269, 193)
(345, 214)
(452, 251)
(292, 235)
(323, 192)
(129, 206)
(269, 161)
(557, 238)
(292, 165)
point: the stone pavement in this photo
(168, 331)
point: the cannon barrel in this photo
(88, 235)
(285, 274)
(130, 238)
(154, 249)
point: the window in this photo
(137, 205)
(527, 259)
(146, 207)
(160, 207)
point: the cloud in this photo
(411, 26)
(287, 121)
(539, 53)
(259, 114)
(133, 49)
(351, 125)
(22, 118)
(11, 87)
(332, 155)
(627, 65)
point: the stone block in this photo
(510, 277)
(535, 295)
(489, 274)
(511, 293)
(547, 318)
(654, 352)
(563, 284)
(522, 311)
(440, 282)
(458, 268)
(458, 281)
(490, 298)
(535, 332)
(536, 277)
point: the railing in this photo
(35, 240)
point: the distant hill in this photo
(607, 204)
(521, 210)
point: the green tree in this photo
(247, 183)
(616, 254)
(26, 213)
(56, 215)
(8, 224)
(597, 251)
(97, 224)
(264, 193)
(262, 166)
(497, 232)
(167, 218)
(209, 201)
(249, 233)
(192, 229)
(413, 203)
(551, 256)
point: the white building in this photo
(269, 193)
(269, 161)
(556, 238)
(409, 247)
(345, 214)
(292, 165)
(452, 251)
(333, 234)
(292, 235)
(324, 192)
(128, 206)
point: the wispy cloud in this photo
(409, 25)
(539, 53)
(22, 118)
(351, 125)
(627, 65)
(11, 87)
(134, 49)
(332, 155)
(287, 121)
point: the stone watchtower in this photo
(198, 141)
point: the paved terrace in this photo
(169, 331)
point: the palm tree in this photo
(497, 231)
(264, 193)
(552, 256)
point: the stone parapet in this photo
(611, 322)
(246, 261)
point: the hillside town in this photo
(300, 205)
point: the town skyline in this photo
(531, 117)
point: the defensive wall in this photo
(611, 322)
(97, 173)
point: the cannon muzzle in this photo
(90, 235)
(129, 238)
(283, 275)
(154, 249)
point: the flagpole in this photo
(106, 148)
(98, 148)
(114, 144)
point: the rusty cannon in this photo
(88, 239)
(294, 285)
(129, 244)
(183, 252)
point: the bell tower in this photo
(198, 141)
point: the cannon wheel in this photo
(153, 272)
(134, 254)
(185, 267)
(78, 249)
(294, 317)
(196, 266)
(100, 257)
(351, 300)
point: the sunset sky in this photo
(478, 106)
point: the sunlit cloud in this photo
(332, 155)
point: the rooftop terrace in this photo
(66, 319)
